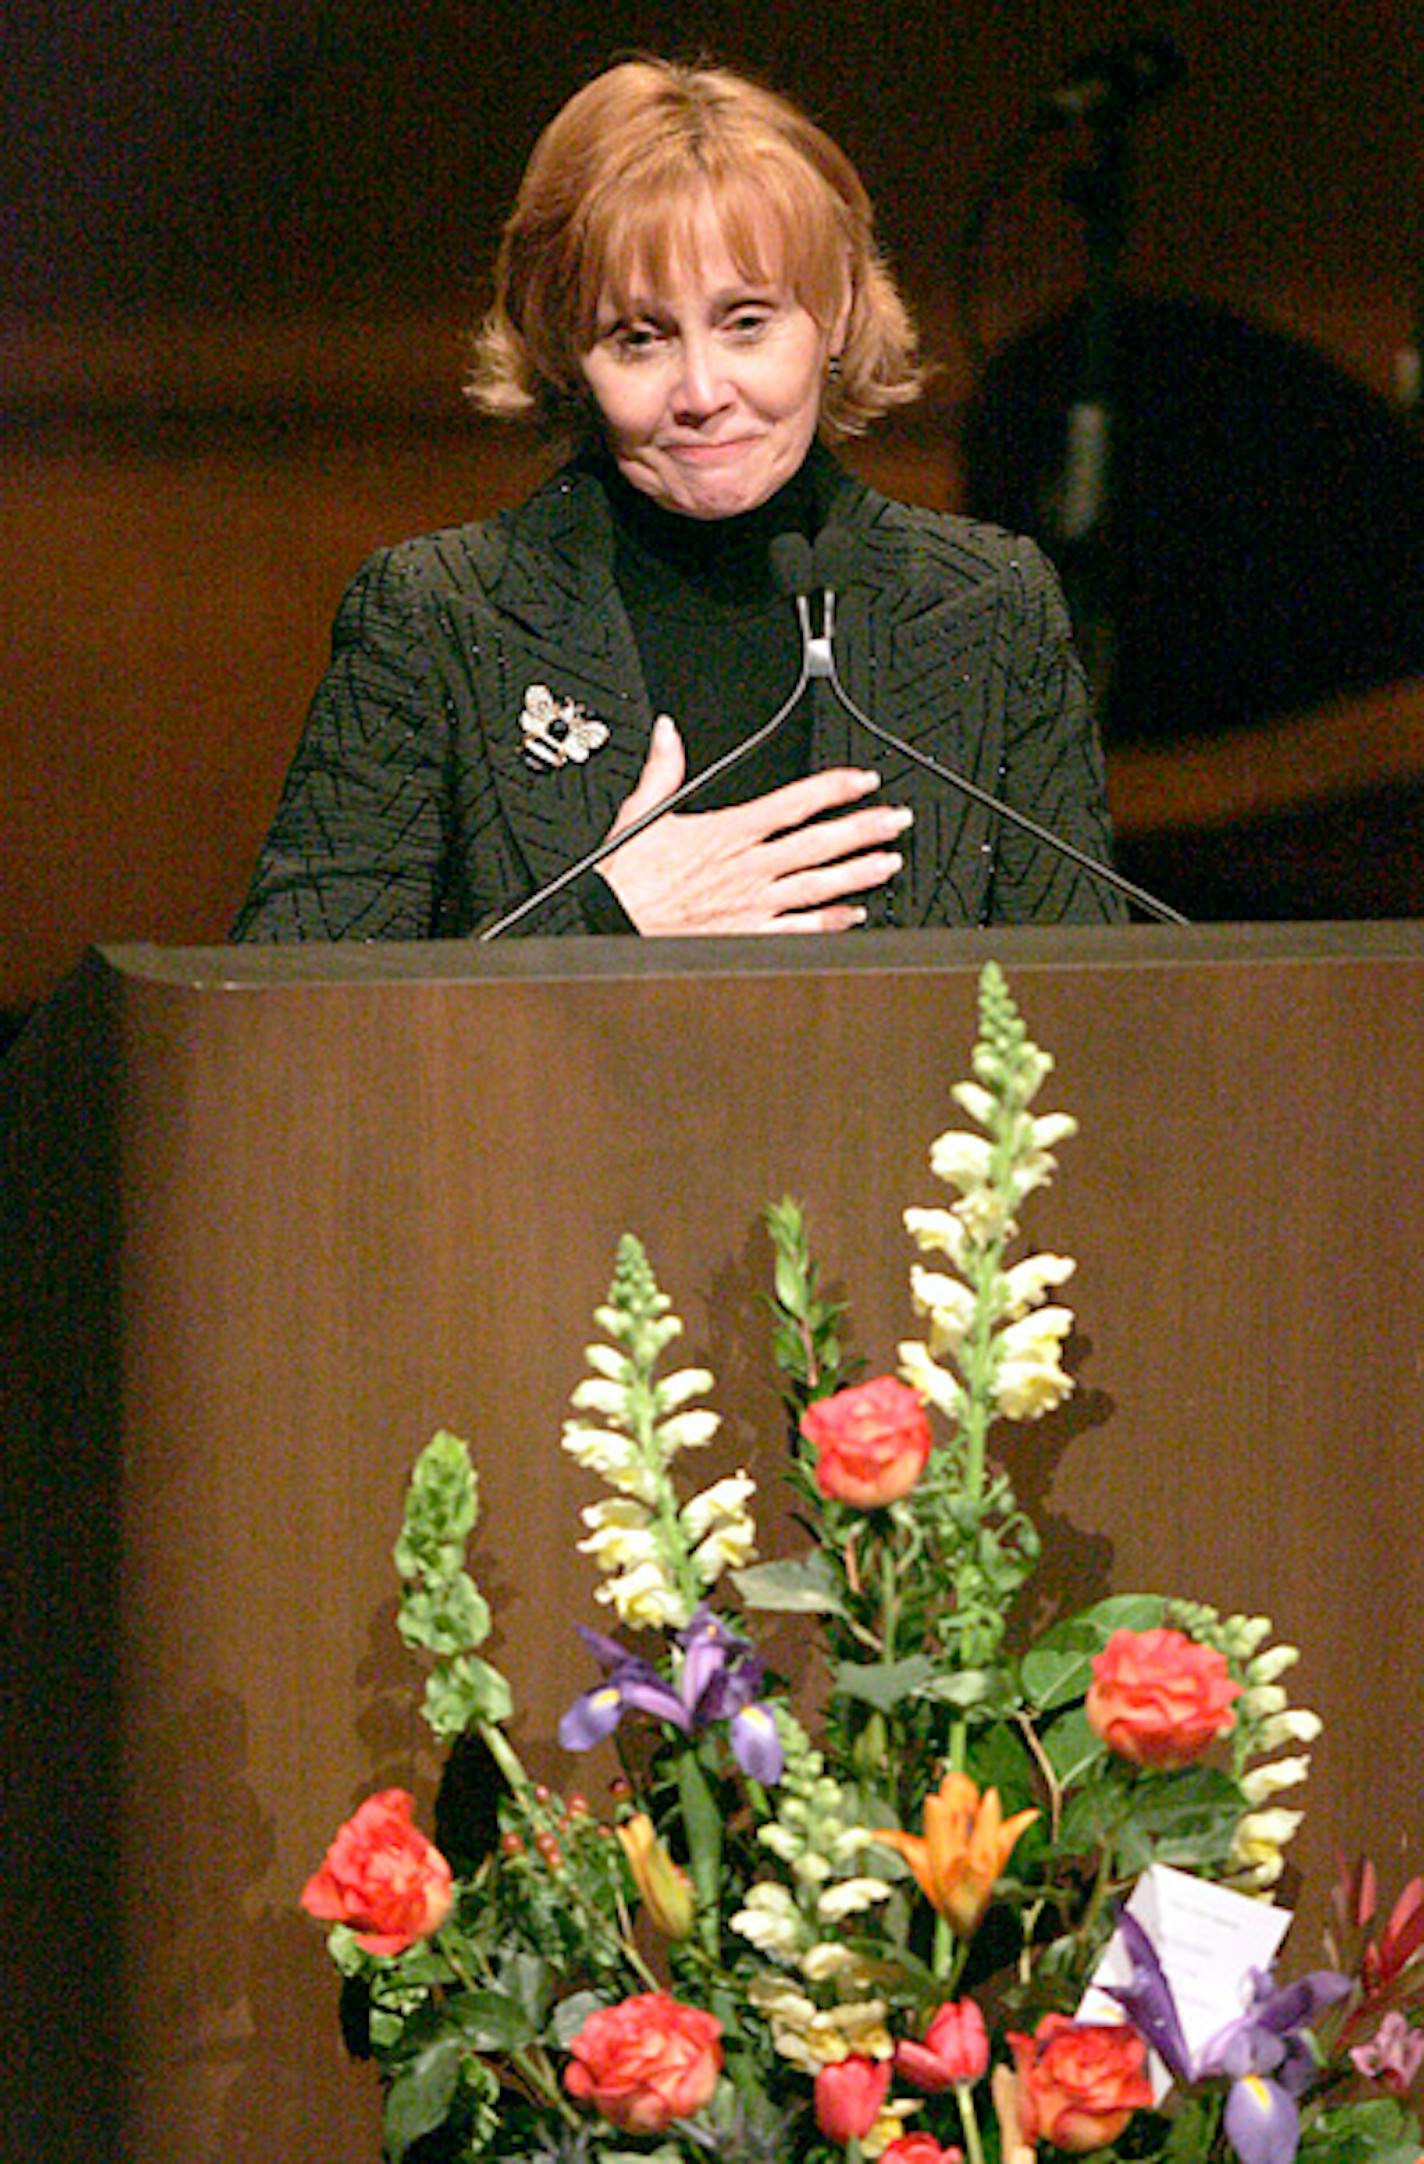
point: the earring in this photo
(833, 369)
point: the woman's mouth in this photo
(710, 454)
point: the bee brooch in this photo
(558, 732)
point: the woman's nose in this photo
(701, 387)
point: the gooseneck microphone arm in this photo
(799, 573)
(791, 564)
(834, 551)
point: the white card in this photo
(1207, 1938)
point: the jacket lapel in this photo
(912, 629)
(558, 622)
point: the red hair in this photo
(609, 198)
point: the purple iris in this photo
(1262, 2053)
(1261, 2121)
(718, 1680)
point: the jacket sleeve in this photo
(1052, 766)
(358, 842)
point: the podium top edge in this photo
(1018, 948)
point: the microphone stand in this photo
(1080, 537)
(1101, 92)
(1408, 371)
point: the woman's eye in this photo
(633, 338)
(748, 322)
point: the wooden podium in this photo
(272, 1216)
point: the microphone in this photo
(1106, 86)
(791, 564)
(794, 569)
(832, 563)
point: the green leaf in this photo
(883, 1684)
(419, 1965)
(1091, 1810)
(790, 1283)
(999, 1758)
(442, 1502)
(1054, 1678)
(702, 1825)
(805, 1585)
(463, 1692)
(1060, 1667)
(1192, 2130)
(490, 2020)
(527, 1978)
(350, 1959)
(420, 2097)
(1379, 2131)
(445, 1619)
(963, 1687)
(570, 2015)
(1072, 1748)
(1187, 1818)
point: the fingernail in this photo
(903, 817)
(869, 779)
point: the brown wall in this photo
(239, 252)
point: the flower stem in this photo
(502, 1751)
(949, 1955)
(623, 1933)
(533, 2064)
(969, 2121)
(978, 1368)
(889, 1599)
(1098, 1897)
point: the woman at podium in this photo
(690, 298)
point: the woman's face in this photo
(710, 387)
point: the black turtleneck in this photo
(718, 642)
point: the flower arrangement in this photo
(915, 1935)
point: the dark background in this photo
(240, 251)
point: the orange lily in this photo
(666, 1891)
(963, 1850)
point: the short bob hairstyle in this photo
(608, 200)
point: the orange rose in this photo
(1079, 2084)
(1160, 1699)
(871, 1442)
(645, 2062)
(382, 1877)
